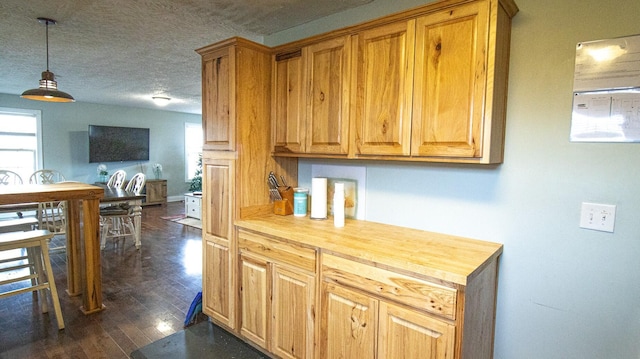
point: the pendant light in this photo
(48, 90)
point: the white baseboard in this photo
(175, 198)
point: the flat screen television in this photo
(118, 144)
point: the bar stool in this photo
(36, 243)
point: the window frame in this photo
(37, 114)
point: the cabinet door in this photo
(293, 313)
(217, 199)
(217, 233)
(348, 328)
(288, 103)
(218, 94)
(216, 282)
(408, 334)
(328, 70)
(450, 82)
(255, 299)
(156, 191)
(384, 89)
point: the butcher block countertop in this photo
(432, 255)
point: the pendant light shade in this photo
(48, 90)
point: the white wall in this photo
(564, 292)
(66, 139)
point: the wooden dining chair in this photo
(117, 179)
(37, 264)
(118, 221)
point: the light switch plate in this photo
(599, 217)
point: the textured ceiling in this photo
(122, 52)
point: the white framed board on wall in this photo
(606, 91)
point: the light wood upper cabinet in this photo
(384, 88)
(429, 84)
(329, 72)
(289, 102)
(218, 119)
(310, 105)
(450, 82)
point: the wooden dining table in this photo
(84, 271)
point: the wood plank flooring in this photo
(146, 293)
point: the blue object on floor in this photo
(194, 309)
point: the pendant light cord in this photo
(47, 37)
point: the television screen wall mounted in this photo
(118, 144)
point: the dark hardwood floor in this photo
(146, 292)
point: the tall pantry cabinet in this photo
(236, 82)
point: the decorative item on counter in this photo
(102, 172)
(318, 198)
(300, 201)
(281, 195)
(157, 170)
(284, 206)
(350, 196)
(338, 204)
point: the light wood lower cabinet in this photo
(218, 282)
(428, 337)
(358, 325)
(366, 310)
(348, 323)
(367, 290)
(277, 295)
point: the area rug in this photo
(173, 218)
(182, 219)
(191, 222)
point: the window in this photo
(20, 141)
(193, 141)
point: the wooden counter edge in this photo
(273, 226)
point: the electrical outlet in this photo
(599, 217)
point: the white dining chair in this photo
(52, 216)
(46, 177)
(117, 179)
(119, 221)
(8, 177)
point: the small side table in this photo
(193, 205)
